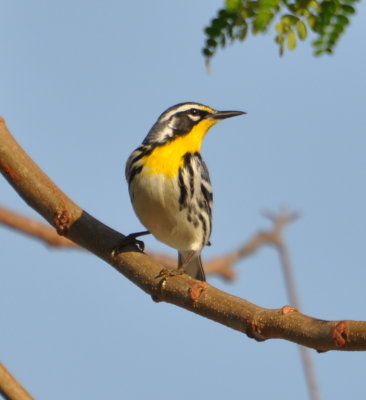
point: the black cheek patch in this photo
(182, 125)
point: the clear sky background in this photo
(81, 83)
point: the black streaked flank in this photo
(133, 166)
(204, 227)
(144, 151)
(183, 190)
(206, 194)
(188, 163)
(187, 159)
(133, 172)
(204, 169)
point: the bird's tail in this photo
(191, 262)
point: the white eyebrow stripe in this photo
(184, 107)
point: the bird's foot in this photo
(131, 239)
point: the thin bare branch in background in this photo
(34, 229)
(280, 221)
(10, 388)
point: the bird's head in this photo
(185, 119)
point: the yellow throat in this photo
(168, 158)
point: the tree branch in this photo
(10, 388)
(222, 266)
(34, 228)
(199, 297)
(280, 221)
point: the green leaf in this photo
(313, 4)
(293, 8)
(211, 43)
(212, 32)
(207, 52)
(338, 30)
(218, 23)
(301, 30)
(263, 19)
(289, 19)
(319, 52)
(318, 42)
(342, 20)
(303, 12)
(279, 27)
(233, 5)
(328, 7)
(223, 13)
(348, 9)
(291, 40)
(279, 39)
(311, 21)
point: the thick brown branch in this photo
(222, 266)
(71, 221)
(10, 388)
(219, 266)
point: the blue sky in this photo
(81, 83)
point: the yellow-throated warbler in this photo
(169, 183)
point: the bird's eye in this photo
(194, 112)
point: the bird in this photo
(169, 183)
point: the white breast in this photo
(155, 199)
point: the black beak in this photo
(226, 114)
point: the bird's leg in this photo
(167, 272)
(186, 261)
(191, 263)
(131, 239)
